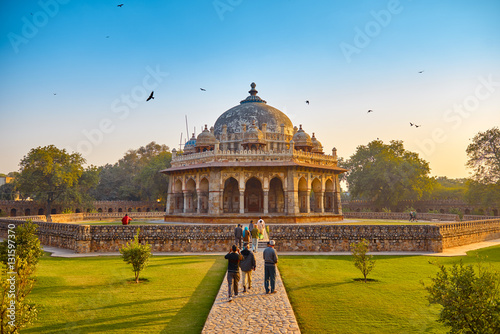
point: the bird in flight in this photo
(55, 93)
(150, 96)
(307, 101)
(417, 125)
(411, 124)
(369, 111)
(120, 5)
(421, 71)
(203, 89)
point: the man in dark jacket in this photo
(270, 261)
(238, 234)
(247, 265)
(233, 271)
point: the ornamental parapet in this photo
(253, 155)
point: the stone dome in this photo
(253, 135)
(317, 147)
(253, 108)
(189, 147)
(206, 138)
(302, 139)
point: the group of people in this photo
(245, 260)
(251, 234)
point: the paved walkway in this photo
(253, 311)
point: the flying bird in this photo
(203, 89)
(411, 124)
(417, 125)
(119, 5)
(150, 96)
(107, 36)
(307, 101)
(55, 93)
(369, 111)
(421, 71)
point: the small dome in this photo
(302, 139)
(206, 138)
(189, 147)
(317, 147)
(253, 135)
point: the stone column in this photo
(266, 201)
(337, 206)
(308, 199)
(198, 194)
(186, 195)
(214, 192)
(242, 201)
(320, 199)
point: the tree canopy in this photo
(48, 174)
(484, 156)
(387, 173)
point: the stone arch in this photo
(203, 196)
(329, 196)
(78, 210)
(231, 196)
(13, 212)
(303, 195)
(254, 195)
(139, 210)
(53, 212)
(276, 196)
(99, 210)
(316, 196)
(190, 202)
(129, 210)
(148, 210)
(110, 210)
(495, 212)
(467, 211)
(120, 210)
(178, 197)
(27, 212)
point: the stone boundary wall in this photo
(403, 216)
(468, 232)
(79, 217)
(306, 238)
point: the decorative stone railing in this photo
(252, 155)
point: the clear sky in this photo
(76, 74)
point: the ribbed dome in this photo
(253, 108)
(206, 138)
(189, 147)
(317, 147)
(302, 139)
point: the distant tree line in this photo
(387, 174)
(49, 174)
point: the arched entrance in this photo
(276, 196)
(231, 196)
(254, 196)
(316, 197)
(303, 195)
(203, 200)
(190, 203)
(328, 199)
(178, 197)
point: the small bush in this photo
(136, 254)
(362, 261)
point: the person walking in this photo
(250, 226)
(233, 271)
(270, 262)
(247, 265)
(262, 228)
(247, 237)
(238, 234)
(255, 239)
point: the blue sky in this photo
(345, 57)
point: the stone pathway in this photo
(253, 311)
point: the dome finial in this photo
(253, 91)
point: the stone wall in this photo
(403, 216)
(218, 238)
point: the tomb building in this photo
(253, 163)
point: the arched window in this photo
(276, 196)
(254, 196)
(231, 196)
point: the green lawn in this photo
(327, 299)
(97, 295)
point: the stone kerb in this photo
(337, 238)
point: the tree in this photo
(470, 300)
(19, 255)
(445, 189)
(136, 254)
(387, 174)
(81, 193)
(364, 262)
(484, 156)
(48, 173)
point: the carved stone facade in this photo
(253, 163)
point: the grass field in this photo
(98, 295)
(327, 298)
